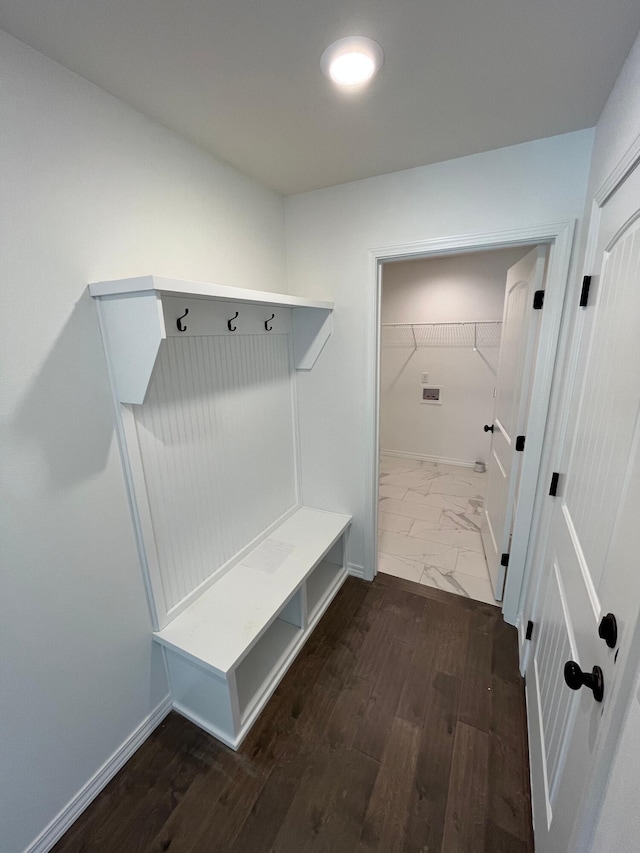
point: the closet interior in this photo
(441, 321)
(237, 571)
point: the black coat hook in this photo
(229, 326)
(266, 323)
(181, 326)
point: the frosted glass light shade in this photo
(352, 61)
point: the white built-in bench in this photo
(229, 649)
(194, 367)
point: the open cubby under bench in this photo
(227, 652)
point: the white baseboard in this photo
(356, 571)
(423, 457)
(63, 820)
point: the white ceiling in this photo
(241, 77)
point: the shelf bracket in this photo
(311, 331)
(132, 329)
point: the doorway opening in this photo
(440, 343)
(557, 238)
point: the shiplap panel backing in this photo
(610, 404)
(217, 441)
(555, 699)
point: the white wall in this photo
(619, 124)
(447, 289)
(90, 190)
(441, 290)
(329, 235)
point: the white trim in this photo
(505, 434)
(587, 580)
(560, 236)
(534, 477)
(424, 457)
(622, 170)
(496, 459)
(124, 423)
(462, 243)
(297, 453)
(542, 753)
(567, 360)
(372, 412)
(356, 571)
(74, 808)
(138, 497)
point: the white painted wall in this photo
(329, 235)
(441, 290)
(619, 124)
(90, 190)
(448, 289)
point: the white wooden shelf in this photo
(203, 290)
(229, 649)
(138, 314)
(324, 577)
(255, 673)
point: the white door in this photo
(520, 324)
(592, 565)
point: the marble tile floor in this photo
(429, 526)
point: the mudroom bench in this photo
(229, 649)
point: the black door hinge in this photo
(529, 633)
(504, 560)
(584, 295)
(520, 442)
(538, 299)
(553, 488)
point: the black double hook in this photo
(267, 327)
(179, 324)
(229, 326)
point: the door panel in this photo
(554, 706)
(517, 353)
(600, 455)
(591, 559)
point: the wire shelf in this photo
(476, 335)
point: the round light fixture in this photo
(352, 61)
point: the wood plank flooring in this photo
(401, 727)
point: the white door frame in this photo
(559, 235)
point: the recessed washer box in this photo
(431, 395)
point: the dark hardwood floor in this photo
(400, 727)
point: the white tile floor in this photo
(429, 526)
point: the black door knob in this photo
(575, 678)
(488, 428)
(608, 630)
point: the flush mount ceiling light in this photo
(352, 61)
